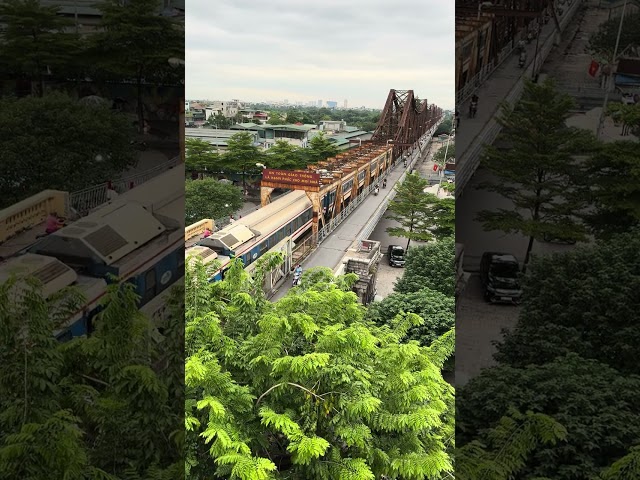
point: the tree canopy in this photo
(320, 148)
(602, 43)
(430, 266)
(210, 198)
(593, 402)
(553, 320)
(201, 155)
(421, 216)
(306, 387)
(612, 178)
(55, 142)
(104, 407)
(539, 171)
(36, 41)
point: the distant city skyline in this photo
(331, 50)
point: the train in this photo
(136, 238)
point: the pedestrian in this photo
(53, 223)
(207, 233)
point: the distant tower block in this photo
(319, 103)
(345, 103)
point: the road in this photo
(479, 323)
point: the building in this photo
(217, 137)
(319, 103)
(345, 104)
(331, 104)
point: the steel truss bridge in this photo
(404, 120)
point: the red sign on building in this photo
(294, 179)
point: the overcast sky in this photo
(320, 50)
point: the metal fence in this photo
(85, 200)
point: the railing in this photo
(84, 201)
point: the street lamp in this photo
(483, 4)
(606, 93)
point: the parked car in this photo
(500, 274)
(396, 255)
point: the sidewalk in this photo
(501, 86)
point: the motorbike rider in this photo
(384, 183)
(473, 106)
(377, 190)
(298, 270)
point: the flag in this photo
(593, 68)
(435, 168)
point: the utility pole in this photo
(606, 93)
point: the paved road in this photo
(479, 323)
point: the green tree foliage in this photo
(627, 467)
(626, 114)
(219, 121)
(583, 301)
(293, 116)
(320, 148)
(200, 155)
(430, 266)
(286, 156)
(242, 155)
(596, 405)
(421, 216)
(509, 444)
(276, 118)
(449, 151)
(106, 407)
(305, 387)
(603, 42)
(613, 180)
(137, 43)
(55, 142)
(36, 41)
(537, 173)
(445, 126)
(210, 198)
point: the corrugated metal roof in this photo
(629, 66)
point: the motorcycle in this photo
(376, 191)
(384, 184)
(296, 278)
(473, 109)
(522, 60)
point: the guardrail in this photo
(468, 161)
(85, 200)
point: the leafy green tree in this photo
(320, 148)
(450, 152)
(200, 155)
(510, 443)
(593, 402)
(446, 126)
(285, 156)
(137, 43)
(242, 155)
(537, 173)
(305, 388)
(583, 301)
(626, 114)
(35, 41)
(293, 116)
(210, 198)
(421, 216)
(55, 142)
(307, 118)
(602, 43)
(103, 407)
(436, 309)
(613, 180)
(219, 121)
(276, 118)
(430, 266)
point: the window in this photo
(264, 246)
(149, 286)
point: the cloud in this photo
(329, 50)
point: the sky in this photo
(303, 50)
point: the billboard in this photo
(294, 179)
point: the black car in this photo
(396, 255)
(500, 273)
